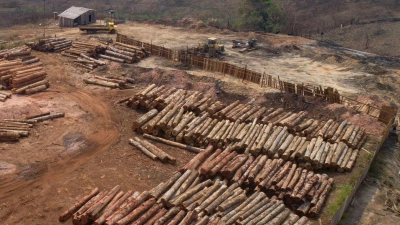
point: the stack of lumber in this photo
(14, 129)
(50, 44)
(124, 53)
(151, 150)
(23, 78)
(183, 199)
(19, 53)
(301, 189)
(110, 82)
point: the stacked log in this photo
(151, 150)
(175, 120)
(14, 129)
(183, 199)
(83, 53)
(22, 77)
(112, 82)
(292, 183)
(50, 44)
(124, 53)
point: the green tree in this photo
(262, 15)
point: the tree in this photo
(262, 14)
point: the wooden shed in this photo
(75, 16)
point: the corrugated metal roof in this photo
(73, 12)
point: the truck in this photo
(109, 26)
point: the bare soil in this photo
(40, 176)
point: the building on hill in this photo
(75, 16)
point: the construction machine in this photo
(211, 44)
(109, 26)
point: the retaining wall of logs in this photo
(193, 119)
(22, 73)
(14, 129)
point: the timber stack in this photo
(299, 188)
(23, 77)
(50, 44)
(83, 53)
(19, 53)
(14, 129)
(124, 53)
(185, 117)
(183, 199)
(110, 81)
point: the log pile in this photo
(19, 53)
(84, 54)
(124, 53)
(22, 77)
(299, 188)
(110, 82)
(14, 129)
(183, 199)
(50, 44)
(151, 150)
(172, 115)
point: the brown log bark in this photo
(338, 153)
(325, 128)
(330, 155)
(198, 159)
(302, 179)
(185, 120)
(148, 214)
(341, 168)
(285, 145)
(240, 172)
(163, 156)
(227, 108)
(172, 190)
(271, 139)
(172, 143)
(235, 212)
(352, 160)
(215, 107)
(268, 117)
(298, 173)
(306, 187)
(310, 128)
(220, 198)
(156, 217)
(143, 149)
(321, 199)
(236, 132)
(347, 134)
(318, 149)
(210, 164)
(144, 118)
(271, 213)
(230, 169)
(309, 150)
(144, 207)
(64, 216)
(257, 167)
(127, 209)
(304, 125)
(222, 163)
(339, 130)
(169, 215)
(187, 183)
(249, 169)
(353, 135)
(292, 124)
(93, 211)
(178, 200)
(112, 208)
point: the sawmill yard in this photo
(64, 159)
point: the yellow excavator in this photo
(211, 44)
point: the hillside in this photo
(366, 25)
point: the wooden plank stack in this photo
(50, 44)
(185, 198)
(172, 115)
